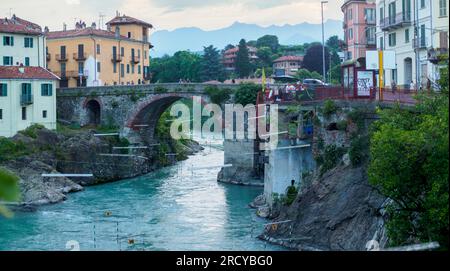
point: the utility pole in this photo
(323, 44)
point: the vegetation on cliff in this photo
(409, 164)
(9, 191)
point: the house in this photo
(287, 65)
(418, 33)
(27, 96)
(89, 56)
(230, 55)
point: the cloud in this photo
(72, 2)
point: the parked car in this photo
(313, 83)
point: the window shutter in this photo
(12, 41)
(4, 40)
(50, 90)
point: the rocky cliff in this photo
(37, 151)
(336, 208)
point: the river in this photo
(181, 207)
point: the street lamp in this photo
(323, 44)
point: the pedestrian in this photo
(412, 86)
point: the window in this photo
(99, 68)
(27, 61)
(381, 15)
(24, 113)
(139, 69)
(350, 14)
(1, 114)
(350, 33)
(145, 54)
(8, 41)
(7, 60)
(369, 15)
(98, 49)
(422, 3)
(122, 51)
(28, 42)
(44, 114)
(392, 39)
(422, 36)
(443, 40)
(406, 35)
(132, 69)
(115, 67)
(129, 35)
(128, 68)
(442, 8)
(394, 75)
(62, 50)
(63, 70)
(46, 90)
(80, 67)
(3, 90)
(392, 13)
(122, 70)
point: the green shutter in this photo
(43, 89)
(4, 40)
(12, 41)
(3, 90)
(50, 90)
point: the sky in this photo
(172, 14)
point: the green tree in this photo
(313, 59)
(243, 65)
(9, 191)
(303, 74)
(333, 43)
(246, 93)
(265, 57)
(409, 164)
(182, 65)
(211, 67)
(270, 41)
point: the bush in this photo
(359, 149)
(329, 108)
(217, 95)
(246, 93)
(9, 190)
(11, 150)
(32, 130)
(331, 157)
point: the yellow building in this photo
(88, 56)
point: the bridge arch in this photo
(93, 112)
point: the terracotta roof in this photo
(14, 72)
(118, 20)
(20, 26)
(236, 49)
(88, 31)
(289, 58)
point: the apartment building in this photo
(27, 89)
(417, 30)
(88, 56)
(359, 28)
(287, 65)
(230, 55)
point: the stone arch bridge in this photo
(135, 110)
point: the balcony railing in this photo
(116, 58)
(371, 41)
(397, 21)
(79, 56)
(419, 43)
(135, 59)
(61, 57)
(77, 74)
(370, 20)
(26, 99)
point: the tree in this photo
(182, 65)
(409, 165)
(313, 59)
(303, 74)
(9, 191)
(270, 41)
(246, 93)
(265, 57)
(333, 43)
(243, 65)
(211, 67)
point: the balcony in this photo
(420, 43)
(135, 59)
(436, 54)
(26, 99)
(61, 58)
(80, 56)
(371, 41)
(116, 58)
(370, 20)
(76, 74)
(400, 20)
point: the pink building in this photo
(359, 28)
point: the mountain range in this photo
(194, 39)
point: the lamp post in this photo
(323, 44)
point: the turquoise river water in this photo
(176, 208)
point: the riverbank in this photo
(36, 150)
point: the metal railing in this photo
(419, 43)
(399, 20)
(60, 57)
(116, 58)
(79, 56)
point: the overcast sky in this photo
(171, 14)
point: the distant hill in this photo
(193, 39)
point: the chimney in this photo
(64, 27)
(94, 25)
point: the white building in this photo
(413, 29)
(27, 88)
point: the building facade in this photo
(230, 55)
(287, 65)
(417, 31)
(88, 56)
(22, 43)
(359, 28)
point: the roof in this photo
(121, 20)
(236, 49)
(289, 58)
(19, 26)
(88, 31)
(14, 72)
